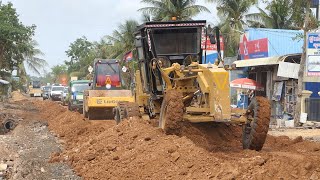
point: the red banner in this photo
(253, 49)
(211, 47)
(128, 56)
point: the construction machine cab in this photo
(106, 75)
(165, 43)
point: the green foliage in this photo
(164, 10)
(281, 14)
(232, 14)
(57, 71)
(31, 58)
(14, 37)
(79, 51)
(122, 39)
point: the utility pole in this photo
(302, 66)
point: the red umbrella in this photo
(245, 83)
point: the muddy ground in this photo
(135, 149)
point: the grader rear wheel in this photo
(171, 113)
(256, 129)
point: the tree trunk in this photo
(302, 68)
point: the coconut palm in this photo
(122, 39)
(232, 14)
(281, 14)
(164, 10)
(278, 15)
(31, 57)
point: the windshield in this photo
(107, 74)
(80, 87)
(57, 89)
(46, 88)
(176, 41)
(36, 84)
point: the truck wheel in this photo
(120, 112)
(256, 128)
(171, 113)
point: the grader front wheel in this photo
(171, 112)
(256, 128)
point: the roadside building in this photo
(272, 58)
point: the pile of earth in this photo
(134, 149)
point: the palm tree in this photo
(232, 14)
(281, 14)
(33, 62)
(278, 15)
(164, 10)
(122, 39)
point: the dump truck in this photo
(105, 91)
(173, 83)
(35, 89)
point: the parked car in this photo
(56, 92)
(64, 96)
(46, 92)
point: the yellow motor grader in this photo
(173, 82)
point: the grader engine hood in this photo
(215, 82)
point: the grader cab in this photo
(173, 83)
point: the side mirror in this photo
(212, 39)
(138, 41)
(89, 83)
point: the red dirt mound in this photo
(135, 149)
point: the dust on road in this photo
(135, 149)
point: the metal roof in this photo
(264, 61)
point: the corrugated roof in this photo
(263, 61)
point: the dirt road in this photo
(135, 149)
(25, 152)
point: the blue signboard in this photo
(313, 54)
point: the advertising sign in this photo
(313, 54)
(210, 50)
(253, 49)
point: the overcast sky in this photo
(60, 22)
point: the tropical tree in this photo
(164, 10)
(15, 38)
(80, 52)
(58, 71)
(31, 57)
(281, 14)
(122, 39)
(232, 14)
